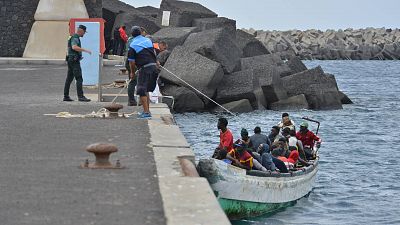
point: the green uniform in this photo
(74, 67)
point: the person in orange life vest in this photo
(240, 157)
(225, 139)
(309, 139)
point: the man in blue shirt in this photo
(142, 55)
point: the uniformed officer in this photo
(74, 66)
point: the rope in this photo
(197, 91)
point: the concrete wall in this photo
(16, 19)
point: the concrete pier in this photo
(41, 180)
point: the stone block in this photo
(266, 61)
(217, 45)
(216, 22)
(292, 103)
(163, 56)
(296, 65)
(241, 106)
(185, 99)
(56, 43)
(135, 19)
(183, 13)
(173, 36)
(60, 10)
(249, 45)
(320, 89)
(149, 10)
(269, 80)
(197, 70)
(344, 98)
(236, 86)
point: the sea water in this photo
(358, 178)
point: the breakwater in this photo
(348, 44)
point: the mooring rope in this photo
(197, 91)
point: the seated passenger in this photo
(281, 148)
(279, 163)
(308, 139)
(245, 139)
(240, 157)
(274, 135)
(225, 138)
(286, 122)
(293, 142)
(263, 156)
(257, 139)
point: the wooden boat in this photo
(244, 193)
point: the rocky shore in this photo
(349, 44)
(228, 65)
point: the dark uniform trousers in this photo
(132, 84)
(74, 71)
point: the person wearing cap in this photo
(74, 66)
(240, 157)
(308, 139)
(141, 55)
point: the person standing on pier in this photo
(74, 66)
(141, 54)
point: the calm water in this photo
(358, 181)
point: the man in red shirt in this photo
(308, 138)
(225, 139)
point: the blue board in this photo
(90, 63)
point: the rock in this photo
(199, 71)
(173, 36)
(217, 45)
(149, 10)
(296, 65)
(292, 103)
(249, 45)
(271, 84)
(133, 19)
(183, 13)
(320, 90)
(116, 7)
(185, 99)
(266, 61)
(163, 56)
(241, 106)
(344, 98)
(216, 22)
(236, 86)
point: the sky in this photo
(301, 14)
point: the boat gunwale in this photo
(302, 172)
